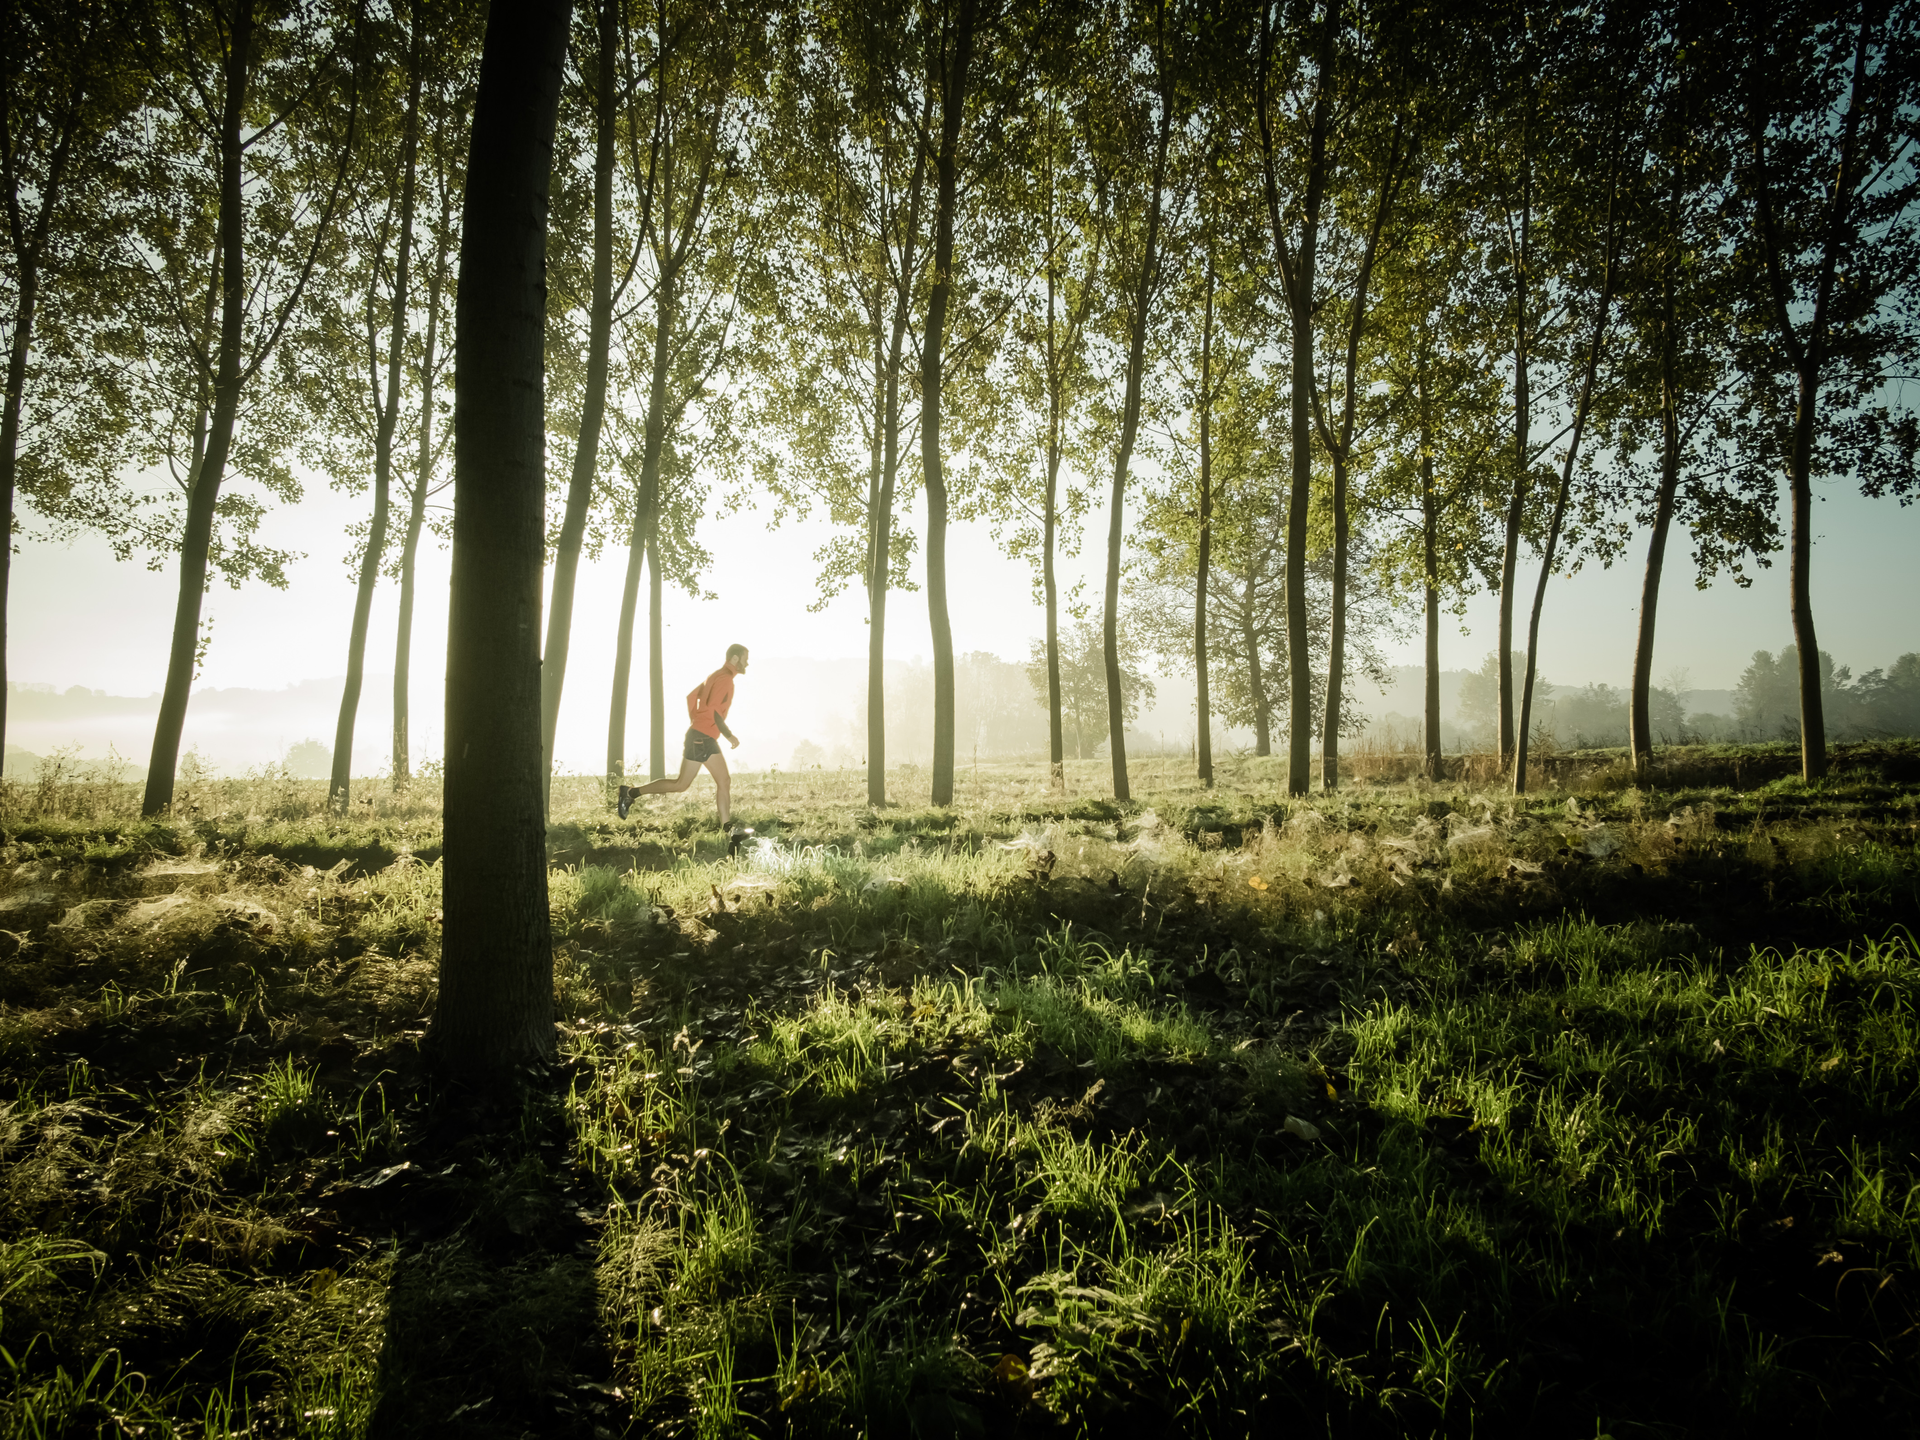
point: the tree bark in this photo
(1640, 716)
(417, 514)
(645, 519)
(1808, 358)
(1296, 274)
(338, 787)
(28, 248)
(204, 492)
(1522, 428)
(1129, 431)
(496, 962)
(951, 77)
(880, 521)
(593, 403)
(656, 665)
(1430, 541)
(403, 638)
(1203, 736)
(1595, 350)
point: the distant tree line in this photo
(1401, 302)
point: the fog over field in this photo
(271, 680)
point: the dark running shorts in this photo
(700, 748)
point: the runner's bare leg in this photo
(688, 769)
(722, 784)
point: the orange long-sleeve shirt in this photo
(709, 701)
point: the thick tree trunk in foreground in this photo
(496, 961)
(952, 81)
(204, 492)
(593, 403)
(338, 786)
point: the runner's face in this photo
(739, 663)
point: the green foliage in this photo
(1037, 1113)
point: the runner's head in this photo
(737, 659)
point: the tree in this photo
(1433, 357)
(1296, 252)
(66, 85)
(692, 252)
(949, 64)
(1590, 273)
(1678, 393)
(834, 306)
(1377, 153)
(249, 86)
(349, 358)
(1832, 203)
(446, 148)
(1049, 367)
(602, 98)
(1133, 124)
(496, 960)
(1084, 684)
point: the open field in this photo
(1408, 1110)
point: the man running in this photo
(707, 706)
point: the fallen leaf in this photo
(1254, 882)
(1300, 1129)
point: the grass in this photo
(1413, 1109)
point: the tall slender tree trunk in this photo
(593, 403)
(1640, 718)
(1056, 740)
(879, 542)
(1590, 375)
(1297, 279)
(1129, 432)
(1203, 709)
(1813, 718)
(1336, 636)
(656, 665)
(403, 639)
(416, 518)
(952, 77)
(881, 519)
(1808, 358)
(389, 415)
(646, 517)
(204, 492)
(496, 960)
(1522, 438)
(29, 247)
(1430, 545)
(1338, 439)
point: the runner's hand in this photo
(734, 740)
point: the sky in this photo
(79, 617)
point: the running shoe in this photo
(736, 837)
(627, 797)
